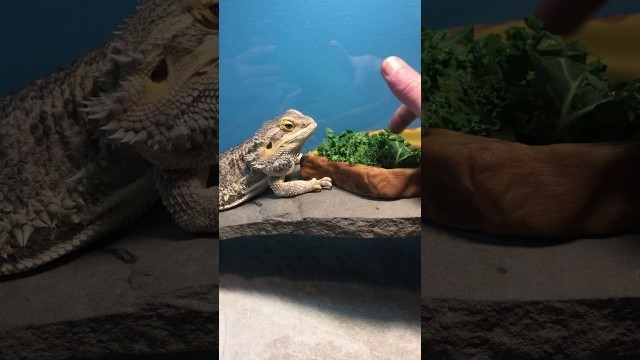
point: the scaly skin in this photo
(89, 149)
(264, 160)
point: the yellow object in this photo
(613, 40)
(413, 136)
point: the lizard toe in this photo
(325, 182)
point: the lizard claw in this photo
(324, 183)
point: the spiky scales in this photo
(89, 149)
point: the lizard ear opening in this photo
(161, 72)
(269, 145)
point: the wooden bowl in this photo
(366, 180)
(504, 188)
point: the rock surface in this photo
(334, 212)
(499, 298)
(148, 289)
(309, 297)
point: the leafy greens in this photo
(382, 149)
(533, 88)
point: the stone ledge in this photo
(504, 298)
(148, 289)
(334, 212)
(320, 298)
(564, 329)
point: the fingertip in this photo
(395, 128)
(403, 81)
(390, 65)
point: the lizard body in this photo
(264, 160)
(90, 148)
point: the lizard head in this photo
(161, 82)
(279, 141)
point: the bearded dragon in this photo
(90, 148)
(264, 160)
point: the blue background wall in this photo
(321, 57)
(39, 36)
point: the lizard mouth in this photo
(303, 134)
(206, 57)
(311, 127)
(203, 70)
(306, 131)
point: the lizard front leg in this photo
(297, 187)
(193, 205)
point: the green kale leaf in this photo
(382, 149)
(532, 87)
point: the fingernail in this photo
(391, 64)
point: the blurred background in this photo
(319, 57)
(453, 13)
(40, 36)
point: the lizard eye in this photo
(287, 125)
(208, 13)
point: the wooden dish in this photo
(366, 180)
(505, 188)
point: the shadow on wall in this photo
(355, 277)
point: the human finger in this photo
(403, 81)
(401, 119)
